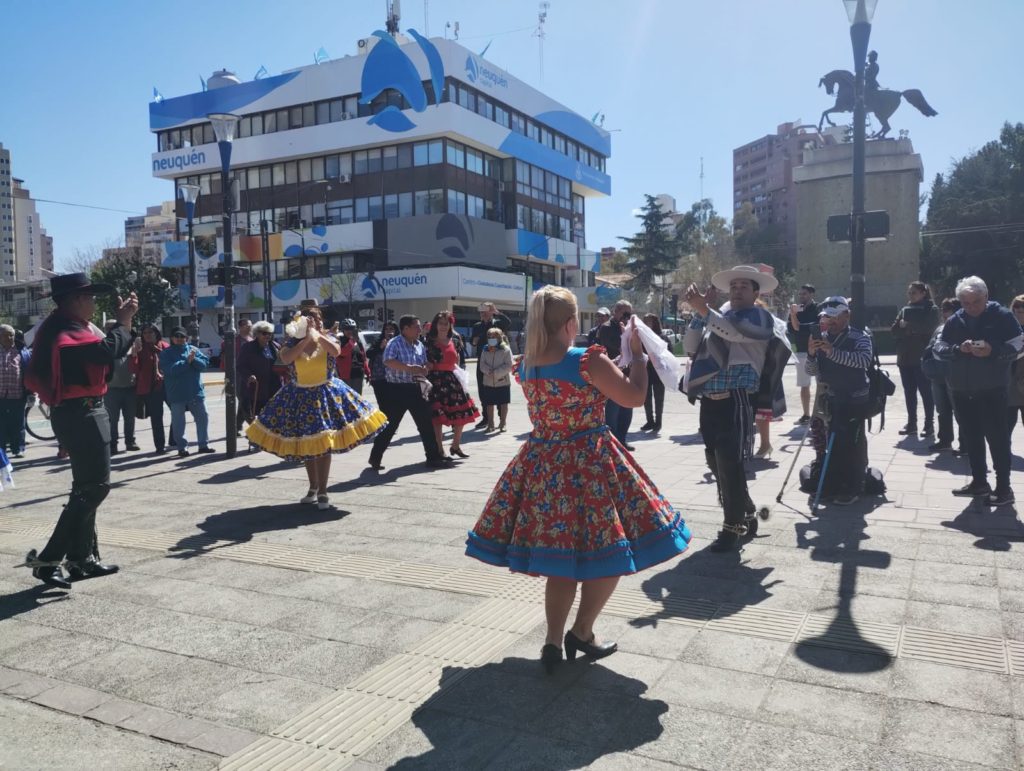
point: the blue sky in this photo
(676, 80)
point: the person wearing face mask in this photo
(496, 364)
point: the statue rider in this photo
(871, 75)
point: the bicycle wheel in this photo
(37, 421)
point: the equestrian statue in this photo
(880, 101)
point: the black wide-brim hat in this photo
(71, 283)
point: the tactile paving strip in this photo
(961, 650)
(1015, 650)
(526, 594)
(270, 754)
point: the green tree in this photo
(755, 241)
(706, 243)
(975, 222)
(617, 263)
(653, 251)
(128, 271)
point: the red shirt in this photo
(449, 357)
(146, 367)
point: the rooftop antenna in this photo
(394, 14)
(456, 30)
(542, 17)
(426, 19)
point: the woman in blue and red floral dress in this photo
(452, 405)
(573, 505)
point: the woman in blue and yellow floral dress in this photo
(315, 414)
(573, 505)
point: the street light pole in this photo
(191, 193)
(859, 13)
(224, 125)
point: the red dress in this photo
(451, 403)
(573, 503)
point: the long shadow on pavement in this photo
(703, 580)
(236, 526)
(29, 599)
(556, 723)
(996, 529)
(835, 535)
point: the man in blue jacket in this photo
(980, 341)
(182, 365)
(841, 359)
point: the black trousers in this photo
(654, 405)
(849, 459)
(84, 431)
(394, 400)
(721, 427)
(982, 419)
(915, 382)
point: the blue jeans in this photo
(618, 418)
(198, 409)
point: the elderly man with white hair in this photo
(981, 341)
(255, 368)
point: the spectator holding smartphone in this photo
(981, 341)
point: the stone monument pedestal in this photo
(824, 186)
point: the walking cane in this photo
(807, 430)
(824, 470)
(254, 390)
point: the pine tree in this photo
(653, 251)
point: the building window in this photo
(405, 205)
(362, 209)
(456, 154)
(456, 202)
(376, 207)
(391, 206)
(389, 158)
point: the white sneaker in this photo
(323, 502)
(309, 497)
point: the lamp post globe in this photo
(224, 126)
(190, 194)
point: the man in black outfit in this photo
(609, 335)
(68, 369)
(405, 365)
(489, 317)
(603, 314)
(803, 316)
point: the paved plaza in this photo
(248, 631)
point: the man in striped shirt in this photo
(729, 351)
(841, 359)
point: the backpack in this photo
(880, 388)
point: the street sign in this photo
(875, 225)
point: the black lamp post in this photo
(190, 193)
(224, 125)
(859, 13)
(371, 274)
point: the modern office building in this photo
(151, 230)
(449, 179)
(33, 248)
(8, 270)
(763, 177)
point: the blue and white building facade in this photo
(415, 158)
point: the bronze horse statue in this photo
(883, 103)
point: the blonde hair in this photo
(550, 308)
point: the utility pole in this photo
(542, 17)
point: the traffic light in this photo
(391, 314)
(215, 276)
(674, 305)
(380, 314)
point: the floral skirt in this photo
(304, 423)
(579, 508)
(450, 405)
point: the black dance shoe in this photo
(51, 577)
(589, 649)
(90, 568)
(550, 657)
